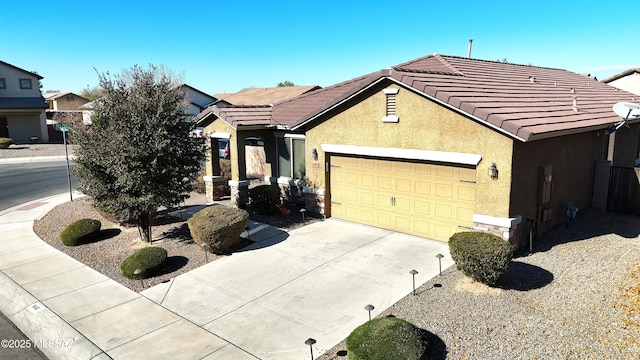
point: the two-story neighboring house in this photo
(61, 101)
(22, 107)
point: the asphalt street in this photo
(20, 183)
(24, 182)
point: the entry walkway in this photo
(262, 302)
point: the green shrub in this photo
(150, 260)
(482, 256)
(5, 142)
(265, 198)
(386, 338)
(80, 232)
(217, 228)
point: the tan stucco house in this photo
(438, 145)
(22, 107)
(628, 80)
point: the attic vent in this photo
(390, 108)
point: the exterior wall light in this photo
(314, 154)
(493, 171)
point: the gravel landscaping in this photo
(566, 301)
(576, 297)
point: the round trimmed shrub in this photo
(482, 256)
(150, 260)
(265, 198)
(80, 232)
(386, 338)
(217, 228)
(5, 142)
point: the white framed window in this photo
(291, 156)
(25, 84)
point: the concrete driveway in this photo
(312, 282)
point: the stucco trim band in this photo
(409, 154)
(496, 221)
(218, 135)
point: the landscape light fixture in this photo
(310, 342)
(369, 307)
(247, 228)
(413, 274)
(138, 272)
(440, 256)
(302, 211)
(204, 249)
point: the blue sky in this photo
(225, 46)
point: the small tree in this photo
(286, 83)
(138, 154)
(92, 93)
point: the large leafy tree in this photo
(138, 154)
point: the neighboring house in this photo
(265, 96)
(61, 101)
(22, 107)
(197, 100)
(438, 145)
(627, 80)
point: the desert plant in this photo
(386, 338)
(5, 142)
(265, 198)
(34, 139)
(80, 232)
(482, 256)
(148, 261)
(217, 228)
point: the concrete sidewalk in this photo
(262, 302)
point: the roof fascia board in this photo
(455, 109)
(408, 154)
(23, 70)
(296, 127)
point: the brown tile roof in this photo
(265, 96)
(239, 115)
(525, 102)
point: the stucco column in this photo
(239, 193)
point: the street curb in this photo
(34, 159)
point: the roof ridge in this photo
(447, 64)
(500, 62)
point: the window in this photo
(3, 83)
(291, 159)
(25, 83)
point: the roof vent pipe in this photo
(469, 51)
(575, 103)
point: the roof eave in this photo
(314, 117)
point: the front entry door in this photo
(4, 128)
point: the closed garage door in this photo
(422, 199)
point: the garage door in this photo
(422, 199)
